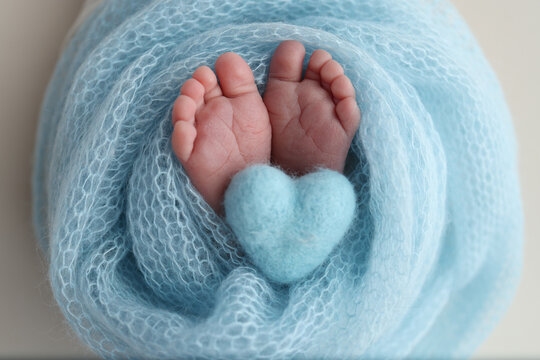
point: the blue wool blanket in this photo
(142, 267)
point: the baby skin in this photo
(299, 124)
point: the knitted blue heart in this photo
(288, 226)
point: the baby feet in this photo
(219, 129)
(313, 119)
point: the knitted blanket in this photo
(141, 266)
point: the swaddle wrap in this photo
(141, 266)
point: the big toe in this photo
(235, 75)
(287, 61)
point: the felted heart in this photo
(288, 226)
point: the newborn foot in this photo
(313, 119)
(219, 129)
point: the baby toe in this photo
(342, 88)
(195, 90)
(329, 72)
(183, 139)
(235, 75)
(208, 79)
(287, 61)
(317, 60)
(184, 109)
(348, 114)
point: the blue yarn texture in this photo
(288, 226)
(142, 267)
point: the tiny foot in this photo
(220, 128)
(313, 119)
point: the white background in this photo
(31, 32)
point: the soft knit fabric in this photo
(288, 226)
(141, 266)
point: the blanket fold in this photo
(141, 266)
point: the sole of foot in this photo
(314, 118)
(220, 128)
